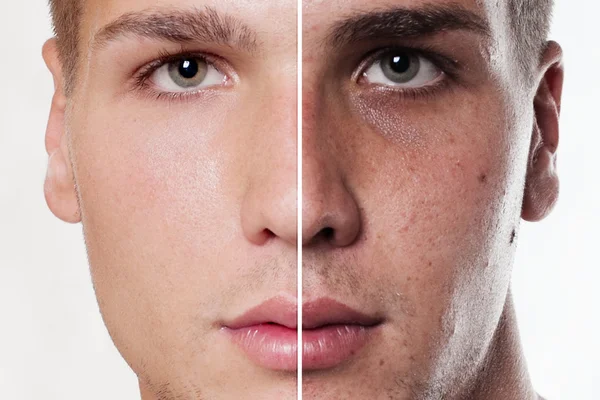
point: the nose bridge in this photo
(269, 206)
(329, 210)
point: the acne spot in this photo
(381, 362)
(482, 178)
(513, 235)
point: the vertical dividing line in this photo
(299, 179)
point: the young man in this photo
(430, 128)
(172, 138)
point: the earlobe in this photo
(59, 189)
(542, 183)
(59, 186)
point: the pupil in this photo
(188, 68)
(400, 64)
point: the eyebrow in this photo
(404, 22)
(202, 26)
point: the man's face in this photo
(186, 170)
(417, 128)
(414, 161)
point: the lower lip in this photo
(275, 346)
(332, 345)
(271, 346)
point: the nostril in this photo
(268, 233)
(327, 233)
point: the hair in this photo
(529, 28)
(529, 24)
(66, 21)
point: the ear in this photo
(59, 186)
(542, 184)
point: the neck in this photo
(503, 374)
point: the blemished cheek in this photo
(430, 213)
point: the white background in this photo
(53, 344)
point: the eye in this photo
(402, 68)
(186, 74)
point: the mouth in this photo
(332, 333)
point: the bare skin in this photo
(413, 194)
(188, 204)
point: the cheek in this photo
(155, 194)
(146, 170)
(442, 201)
(438, 217)
(158, 213)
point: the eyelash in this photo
(142, 76)
(447, 66)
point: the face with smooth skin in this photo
(185, 181)
(415, 163)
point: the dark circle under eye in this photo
(400, 66)
(188, 72)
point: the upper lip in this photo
(277, 310)
(325, 311)
(315, 314)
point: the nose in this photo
(330, 213)
(270, 203)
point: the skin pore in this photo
(413, 191)
(185, 186)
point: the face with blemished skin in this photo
(186, 189)
(414, 185)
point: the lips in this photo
(332, 333)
